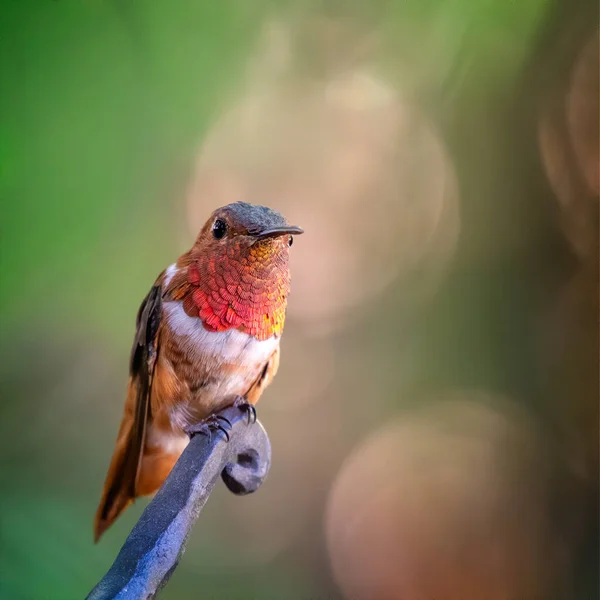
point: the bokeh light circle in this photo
(451, 502)
(345, 157)
(583, 112)
(569, 146)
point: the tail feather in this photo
(119, 488)
(123, 484)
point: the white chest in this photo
(231, 361)
(232, 346)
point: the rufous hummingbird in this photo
(207, 332)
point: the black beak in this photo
(279, 231)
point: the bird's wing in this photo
(119, 487)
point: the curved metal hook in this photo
(156, 543)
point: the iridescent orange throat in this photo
(247, 292)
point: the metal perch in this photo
(157, 542)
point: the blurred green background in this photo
(443, 159)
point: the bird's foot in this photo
(250, 409)
(210, 424)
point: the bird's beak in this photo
(279, 231)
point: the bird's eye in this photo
(219, 229)
(291, 240)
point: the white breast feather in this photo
(169, 273)
(171, 443)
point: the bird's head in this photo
(240, 265)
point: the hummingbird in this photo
(207, 336)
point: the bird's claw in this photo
(243, 404)
(210, 424)
(224, 419)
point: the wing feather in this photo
(120, 484)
